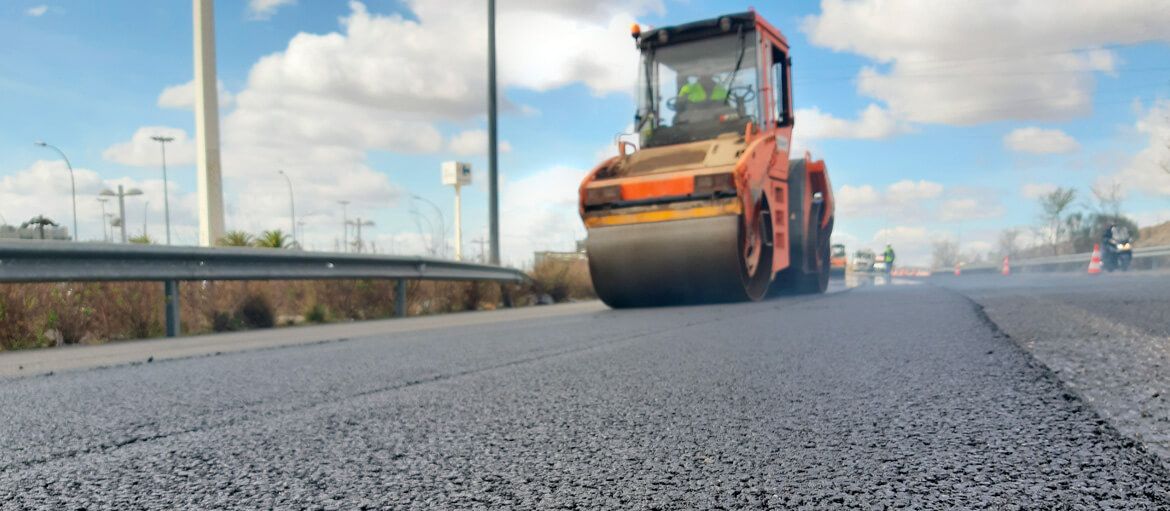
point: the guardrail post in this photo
(171, 290)
(506, 296)
(400, 298)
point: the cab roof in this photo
(703, 29)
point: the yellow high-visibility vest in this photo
(693, 92)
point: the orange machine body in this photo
(758, 158)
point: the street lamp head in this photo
(133, 191)
(160, 138)
(40, 143)
(107, 193)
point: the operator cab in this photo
(701, 80)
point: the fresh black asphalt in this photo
(876, 398)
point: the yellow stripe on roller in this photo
(665, 215)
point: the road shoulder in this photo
(18, 364)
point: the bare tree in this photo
(944, 254)
(1009, 242)
(1053, 205)
(1108, 196)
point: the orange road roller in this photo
(706, 205)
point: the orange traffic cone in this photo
(958, 270)
(1007, 267)
(1095, 261)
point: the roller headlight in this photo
(710, 184)
(602, 195)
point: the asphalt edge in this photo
(1069, 394)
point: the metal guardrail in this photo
(1064, 262)
(56, 261)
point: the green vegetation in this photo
(50, 314)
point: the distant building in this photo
(578, 255)
(12, 232)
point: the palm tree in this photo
(40, 222)
(142, 239)
(236, 239)
(273, 239)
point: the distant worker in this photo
(888, 257)
(695, 90)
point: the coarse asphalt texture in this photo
(901, 396)
(1106, 336)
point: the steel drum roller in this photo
(660, 263)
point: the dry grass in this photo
(43, 315)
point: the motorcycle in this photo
(1118, 254)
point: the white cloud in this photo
(539, 212)
(1148, 171)
(474, 143)
(904, 198)
(36, 11)
(1040, 141)
(385, 82)
(1036, 190)
(857, 200)
(962, 63)
(44, 188)
(143, 151)
(907, 191)
(182, 96)
(917, 202)
(264, 9)
(961, 209)
(433, 67)
(874, 122)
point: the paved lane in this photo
(1107, 337)
(883, 396)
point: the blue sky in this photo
(936, 123)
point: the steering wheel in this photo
(745, 93)
(671, 103)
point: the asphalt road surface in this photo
(900, 396)
(1107, 337)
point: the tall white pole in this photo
(210, 180)
(162, 141)
(122, 211)
(458, 226)
(105, 232)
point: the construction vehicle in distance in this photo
(838, 262)
(710, 208)
(863, 261)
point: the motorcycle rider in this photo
(1111, 240)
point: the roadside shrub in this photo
(316, 314)
(562, 280)
(256, 312)
(224, 322)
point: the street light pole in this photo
(166, 193)
(121, 195)
(358, 223)
(442, 221)
(72, 183)
(493, 181)
(292, 207)
(105, 230)
(344, 225)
